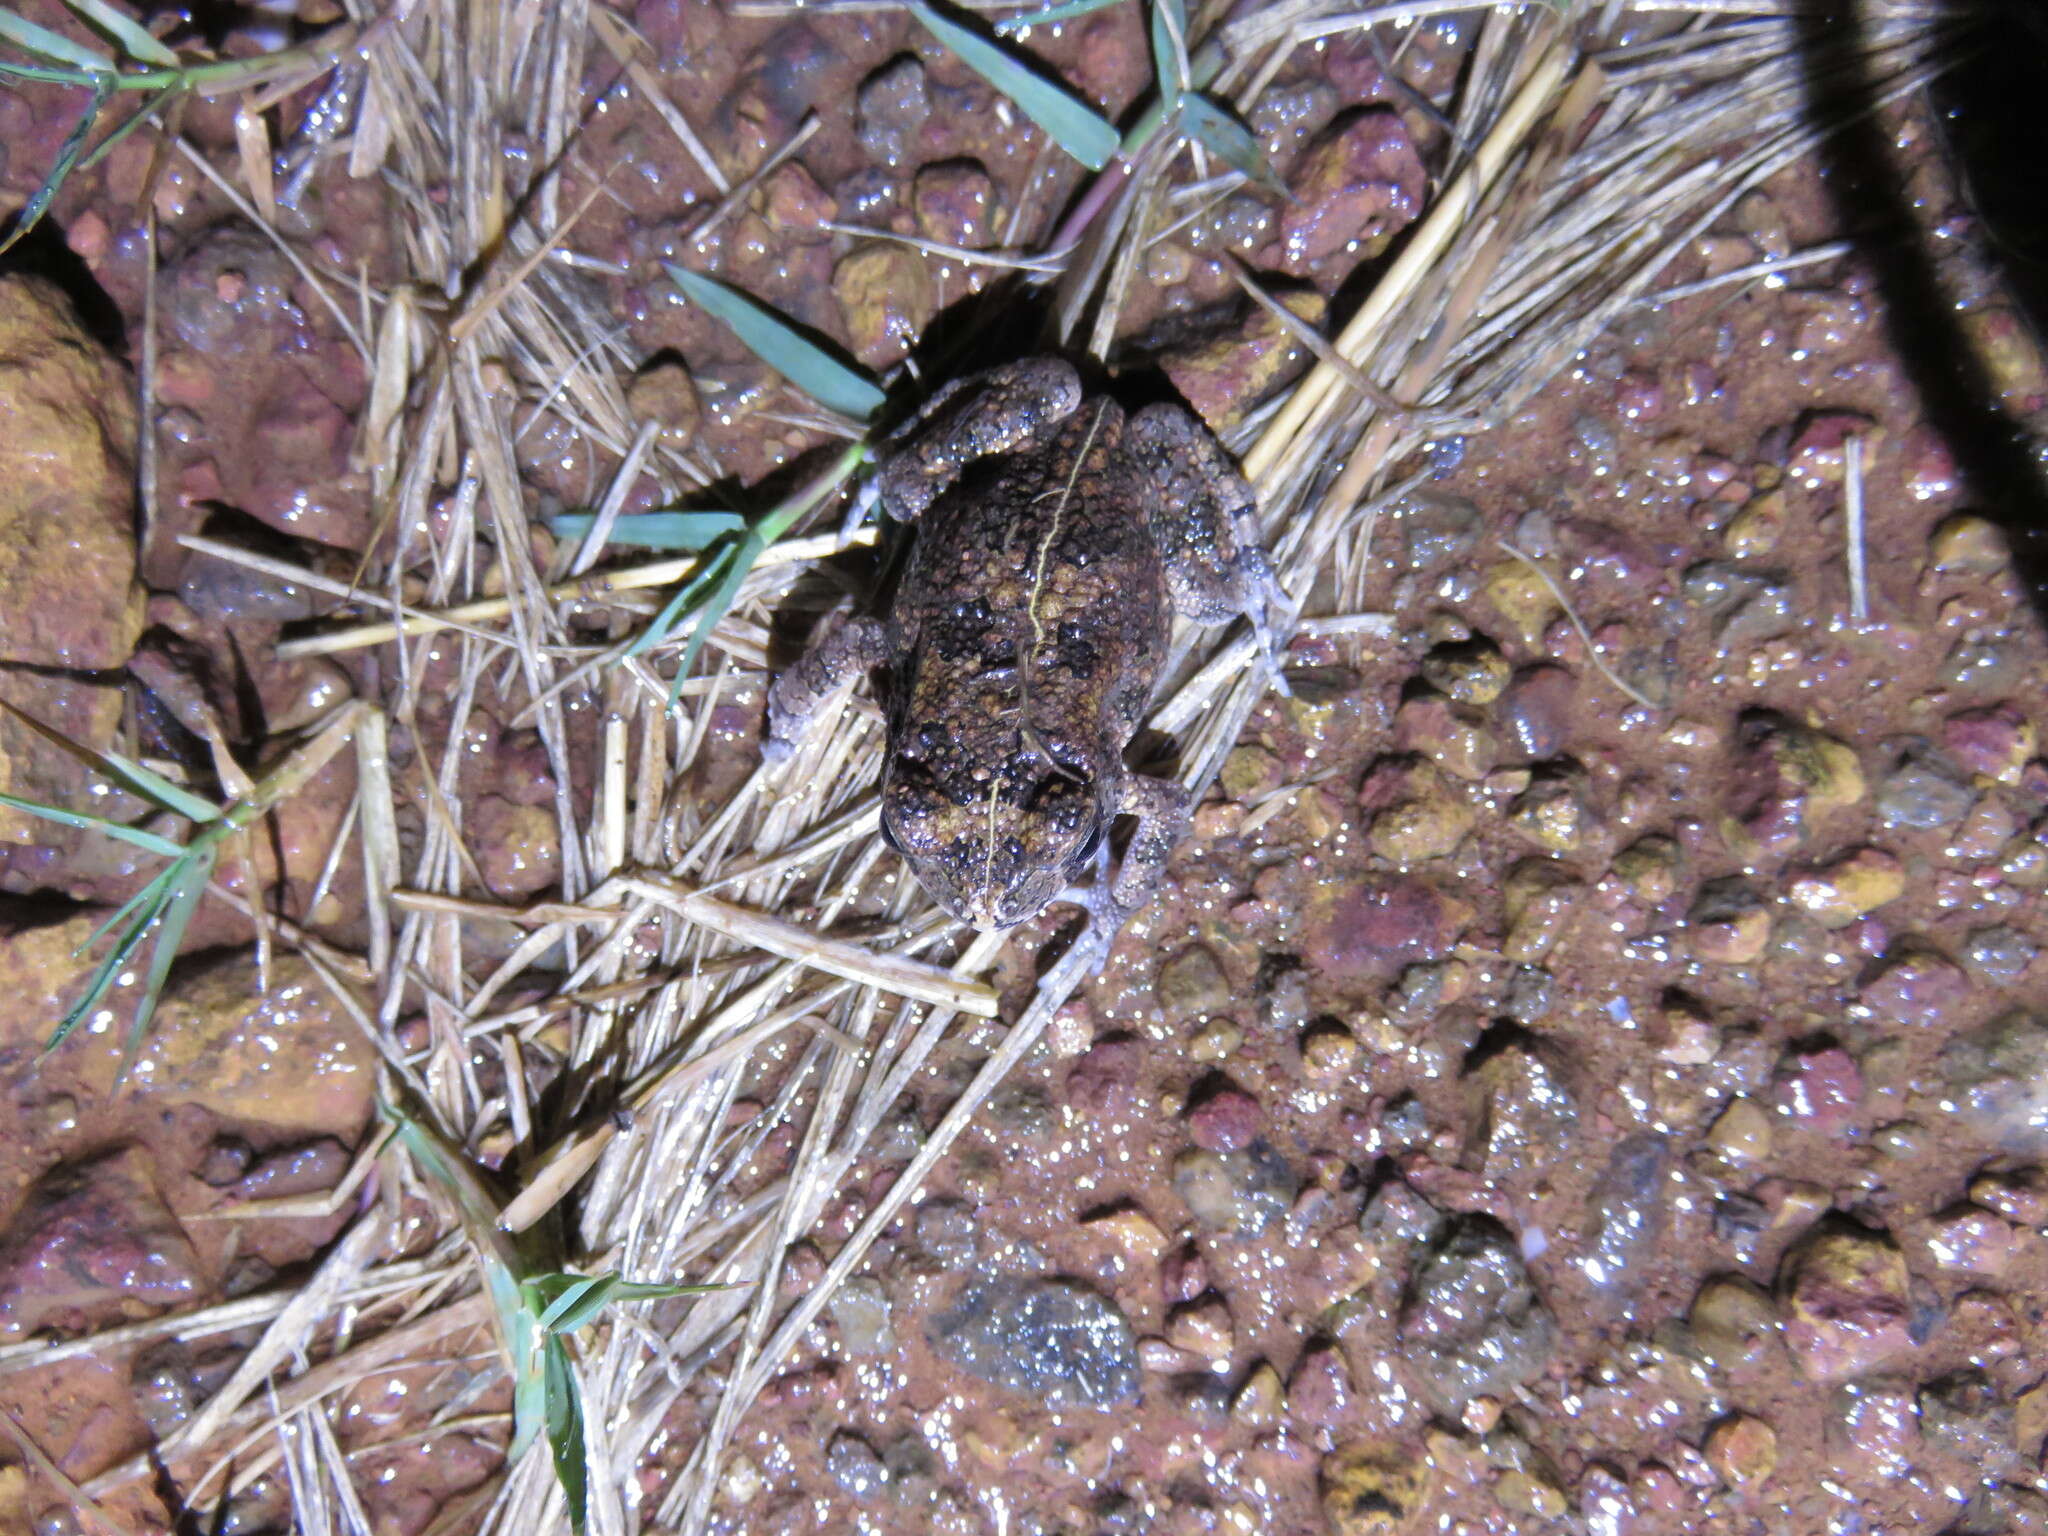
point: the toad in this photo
(1055, 538)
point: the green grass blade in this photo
(565, 1429)
(155, 787)
(137, 43)
(154, 891)
(9, 69)
(148, 113)
(187, 886)
(127, 834)
(837, 385)
(1227, 139)
(741, 561)
(1052, 15)
(692, 591)
(67, 156)
(151, 901)
(151, 786)
(1076, 128)
(1169, 23)
(45, 44)
(562, 1293)
(687, 532)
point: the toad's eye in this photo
(1088, 849)
(889, 835)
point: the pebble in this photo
(1202, 1328)
(663, 393)
(1999, 953)
(1192, 985)
(1923, 792)
(860, 1310)
(1455, 737)
(1734, 1323)
(954, 203)
(1628, 1211)
(1742, 1132)
(2018, 1194)
(890, 109)
(1968, 545)
(1819, 1090)
(1467, 671)
(1226, 1119)
(1329, 1053)
(948, 1233)
(1837, 894)
(1819, 455)
(1754, 531)
(1359, 182)
(1915, 986)
(1472, 1323)
(1240, 1191)
(1743, 1450)
(1370, 929)
(1845, 1303)
(1417, 815)
(1997, 741)
(1103, 1079)
(1729, 922)
(89, 1239)
(1261, 1400)
(1999, 1073)
(1055, 1341)
(855, 1467)
(1376, 1488)
(1971, 1240)
(1538, 711)
(886, 299)
(1319, 1392)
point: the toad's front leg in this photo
(848, 647)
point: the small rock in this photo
(954, 202)
(1369, 930)
(860, 1310)
(855, 1467)
(166, 1386)
(1467, 671)
(1472, 1325)
(1329, 1053)
(1224, 1120)
(1360, 182)
(1242, 1191)
(1134, 1234)
(794, 204)
(227, 1159)
(1968, 545)
(1103, 1079)
(1192, 985)
(663, 393)
(1755, 530)
(1734, 1323)
(1837, 894)
(1417, 814)
(1649, 869)
(1999, 1076)
(946, 1231)
(1055, 1341)
(1972, 1240)
(1819, 453)
(1730, 925)
(891, 109)
(1202, 1327)
(2018, 1194)
(1627, 1211)
(1522, 597)
(1923, 792)
(1845, 1301)
(1915, 986)
(1540, 899)
(1226, 374)
(1320, 1392)
(886, 299)
(1742, 1132)
(1539, 710)
(1525, 1493)
(1552, 813)
(1260, 1401)
(1376, 1488)
(90, 1239)
(1999, 953)
(1743, 1450)
(1819, 1090)
(1455, 737)
(1997, 742)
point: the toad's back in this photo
(1034, 609)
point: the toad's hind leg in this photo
(1000, 411)
(1205, 522)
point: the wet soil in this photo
(1580, 1075)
